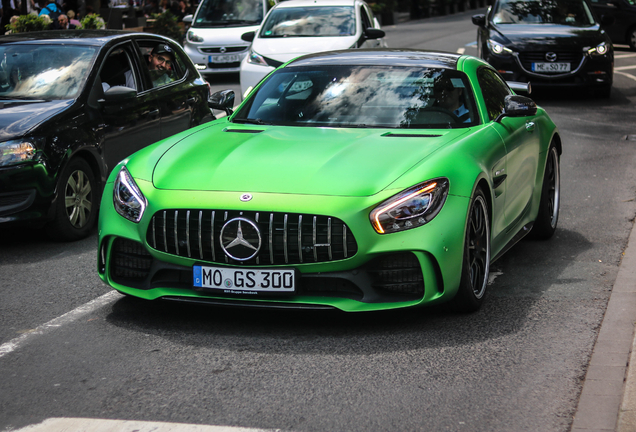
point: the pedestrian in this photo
(71, 18)
(52, 9)
(62, 23)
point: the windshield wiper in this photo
(250, 121)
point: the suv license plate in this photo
(244, 281)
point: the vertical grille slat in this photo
(286, 238)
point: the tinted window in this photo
(43, 71)
(310, 21)
(568, 12)
(363, 96)
(494, 90)
(223, 13)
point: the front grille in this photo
(527, 58)
(397, 274)
(286, 238)
(224, 65)
(13, 202)
(228, 50)
(129, 261)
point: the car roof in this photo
(380, 56)
(314, 3)
(77, 37)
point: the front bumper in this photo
(26, 193)
(585, 70)
(202, 58)
(409, 268)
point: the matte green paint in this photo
(344, 173)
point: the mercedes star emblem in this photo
(240, 239)
(246, 197)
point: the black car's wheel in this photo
(546, 223)
(476, 262)
(631, 38)
(76, 203)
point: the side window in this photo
(162, 62)
(117, 69)
(494, 90)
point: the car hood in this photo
(19, 117)
(549, 36)
(285, 49)
(297, 160)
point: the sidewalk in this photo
(608, 399)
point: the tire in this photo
(476, 261)
(631, 38)
(76, 204)
(546, 222)
(603, 92)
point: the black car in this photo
(550, 43)
(623, 13)
(75, 103)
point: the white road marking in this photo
(103, 425)
(68, 317)
(626, 75)
(461, 50)
(621, 56)
(625, 67)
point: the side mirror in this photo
(222, 100)
(187, 19)
(479, 20)
(374, 33)
(249, 36)
(520, 87)
(517, 106)
(119, 94)
(607, 20)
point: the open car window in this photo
(173, 69)
(46, 72)
(363, 96)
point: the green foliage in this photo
(92, 22)
(165, 24)
(29, 23)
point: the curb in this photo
(608, 400)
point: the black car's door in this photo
(177, 97)
(623, 17)
(131, 123)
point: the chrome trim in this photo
(188, 233)
(201, 234)
(329, 237)
(344, 241)
(538, 75)
(165, 236)
(212, 237)
(176, 236)
(256, 219)
(271, 238)
(314, 238)
(285, 238)
(300, 238)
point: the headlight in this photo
(600, 49)
(497, 48)
(16, 151)
(411, 208)
(256, 58)
(193, 37)
(127, 198)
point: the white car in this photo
(213, 41)
(297, 27)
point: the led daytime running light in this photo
(376, 221)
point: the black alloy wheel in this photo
(548, 217)
(476, 264)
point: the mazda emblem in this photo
(240, 239)
(551, 57)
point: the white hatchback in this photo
(297, 27)
(213, 41)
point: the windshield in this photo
(362, 96)
(224, 13)
(310, 21)
(43, 71)
(567, 12)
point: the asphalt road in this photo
(516, 365)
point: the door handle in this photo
(191, 101)
(153, 114)
(530, 126)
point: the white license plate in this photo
(244, 281)
(230, 58)
(551, 67)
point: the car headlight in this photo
(193, 37)
(410, 208)
(600, 49)
(497, 48)
(16, 151)
(127, 198)
(255, 58)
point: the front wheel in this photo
(546, 223)
(76, 203)
(476, 261)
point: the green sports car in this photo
(357, 180)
